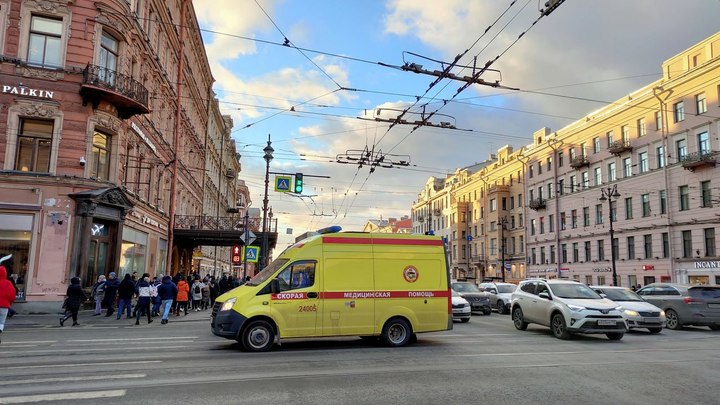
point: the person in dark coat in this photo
(223, 284)
(167, 291)
(144, 291)
(125, 295)
(111, 287)
(75, 297)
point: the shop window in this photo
(133, 253)
(34, 143)
(15, 238)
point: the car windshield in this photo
(465, 287)
(621, 294)
(456, 294)
(267, 272)
(506, 288)
(574, 291)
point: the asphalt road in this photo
(484, 361)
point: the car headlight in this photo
(630, 312)
(227, 305)
(662, 313)
(576, 308)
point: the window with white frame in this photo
(627, 167)
(585, 180)
(573, 183)
(100, 164)
(642, 162)
(625, 133)
(681, 149)
(612, 175)
(596, 144)
(705, 194)
(700, 103)
(645, 199)
(679, 111)
(663, 201)
(609, 138)
(597, 173)
(684, 196)
(660, 156)
(45, 42)
(628, 208)
(641, 129)
(703, 142)
(658, 120)
(108, 58)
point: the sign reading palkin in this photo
(26, 91)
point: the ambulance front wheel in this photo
(258, 336)
(396, 333)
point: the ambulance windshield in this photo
(267, 272)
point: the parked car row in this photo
(568, 307)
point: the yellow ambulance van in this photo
(390, 286)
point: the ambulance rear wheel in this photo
(396, 333)
(258, 336)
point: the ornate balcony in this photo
(203, 230)
(695, 160)
(619, 147)
(578, 162)
(537, 204)
(125, 93)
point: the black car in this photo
(479, 300)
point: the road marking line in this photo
(581, 352)
(60, 379)
(26, 342)
(62, 396)
(85, 364)
(86, 350)
(132, 339)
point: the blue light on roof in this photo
(330, 229)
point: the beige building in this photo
(647, 160)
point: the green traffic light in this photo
(298, 183)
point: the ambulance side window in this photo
(298, 275)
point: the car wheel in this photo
(714, 327)
(465, 320)
(559, 329)
(487, 311)
(396, 333)
(501, 307)
(655, 330)
(518, 320)
(614, 336)
(672, 319)
(258, 336)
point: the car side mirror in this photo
(545, 295)
(275, 286)
(603, 295)
(493, 291)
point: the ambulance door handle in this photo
(312, 295)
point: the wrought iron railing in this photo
(117, 82)
(620, 146)
(208, 223)
(698, 159)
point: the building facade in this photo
(627, 192)
(106, 110)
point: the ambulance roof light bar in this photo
(329, 229)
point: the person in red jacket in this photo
(7, 296)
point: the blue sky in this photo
(599, 50)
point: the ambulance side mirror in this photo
(275, 286)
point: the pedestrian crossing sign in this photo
(251, 253)
(282, 183)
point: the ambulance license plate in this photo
(606, 322)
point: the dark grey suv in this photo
(479, 300)
(697, 305)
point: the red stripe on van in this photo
(349, 295)
(378, 241)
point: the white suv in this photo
(566, 307)
(500, 295)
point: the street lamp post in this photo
(503, 222)
(268, 157)
(609, 194)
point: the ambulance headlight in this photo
(227, 305)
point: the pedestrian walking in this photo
(125, 295)
(7, 297)
(167, 290)
(214, 290)
(156, 301)
(223, 284)
(111, 287)
(182, 296)
(205, 302)
(197, 293)
(75, 296)
(144, 297)
(98, 294)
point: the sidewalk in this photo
(86, 318)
